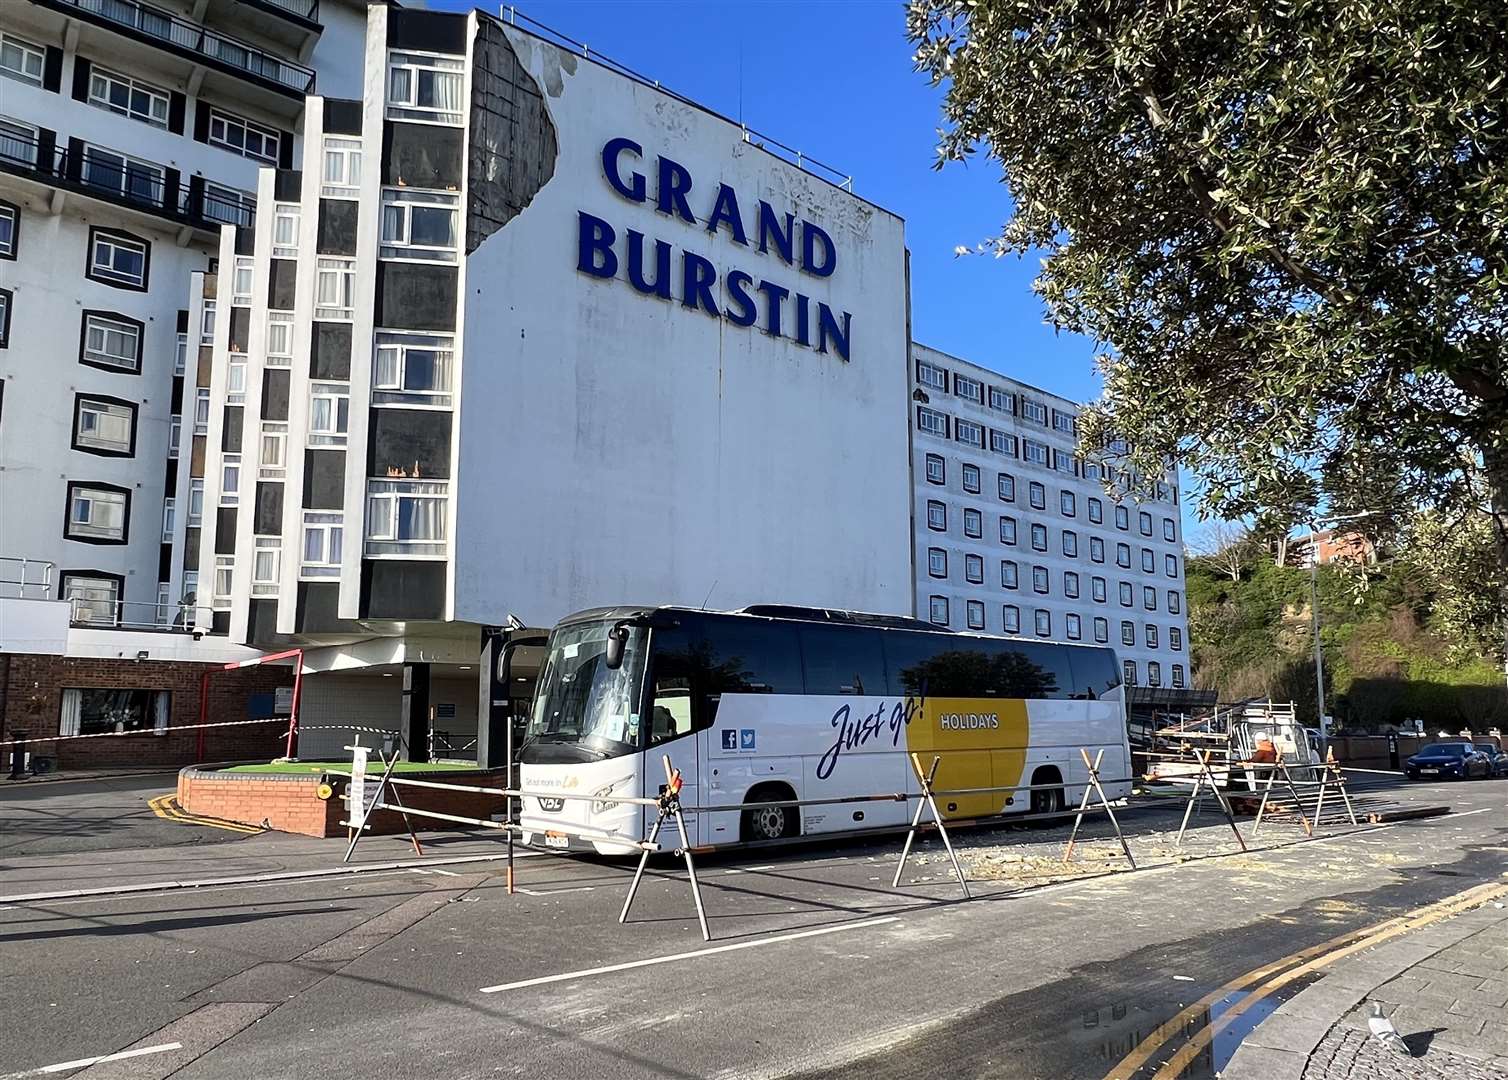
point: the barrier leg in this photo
(1340, 783)
(1272, 774)
(1078, 819)
(413, 838)
(1298, 806)
(633, 888)
(367, 811)
(938, 819)
(1094, 778)
(1319, 803)
(916, 821)
(1197, 792)
(1230, 815)
(696, 891)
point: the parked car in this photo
(1497, 755)
(1449, 760)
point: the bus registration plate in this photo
(553, 839)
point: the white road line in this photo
(653, 960)
(83, 1063)
(1484, 810)
(553, 892)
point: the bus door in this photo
(672, 733)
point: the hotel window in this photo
(97, 514)
(228, 205)
(235, 380)
(225, 567)
(241, 280)
(196, 503)
(201, 411)
(1008, 575)
(1002, 400)
(931, 421)
(973, 522)
(180, 355)
(285, 217)
(937, 562)
(1122, 518)
(1175, 638)
(405, 517)
(169, 512)
(324, 535)
(1010, 619)
(1040, 582)
(1144, 522)
(931, 375)
(1151, 635)
(937, 610)
(243, 137)
(968, 389)
(1092, 470)
(974, 610)
(104, 426)
(1128, 633)
(1034, 452)
(1001, 443)
(111, 342)
(1073, 626)
(335, 289)
(1070, 544)
(1154, 673)
(1101, 630)
(1005, 486)
(1096, 549)
(1039, 537)
(341, 178)
(1067, 503)
(21, 59)
(420, 224)
(279, 338)
(1123, 556)
(230, 479)
(937, 469)
(937, 516)
(272, 454)
(1169, 530)
(329, 413)
(207, 322)
(94, 601)
(1096, 511)
(266, 560)
(1127, 594)
(973, 569)
(175, 434)
(9, 226)
(1097, 588)
(966, 431)
(1008, 530)
(424, 87)
(1128, 672)
(1070, 584)
(1178, 677)
(1034, 411)
(1148, 561)
(128, 97)
(1036, 495)
(118, 259)
(165, 604)
(971, 479)
(1149, 598)
(1173, 602)
(1044, 623)
(1062, 462)
(1062, 421)
(1170, 565)
(128, 177)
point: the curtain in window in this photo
(68, 717)
(421, 519)
(445, 90)
(160, 712)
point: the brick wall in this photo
(33, 704)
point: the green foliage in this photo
(1288, 222)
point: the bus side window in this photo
(672, 705)
(843, 660)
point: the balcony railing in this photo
(182, 617)
(304, 9)
(26, 579)
(109, 175)
(198, 41)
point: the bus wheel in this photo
(769, 822)
(1049, 800)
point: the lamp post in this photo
(1322, 719)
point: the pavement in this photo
(817, 967)
(1444, 988)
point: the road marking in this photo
(566, 976)
(167, 808)
(1307, 960)
(554, 892)
(83, 1063)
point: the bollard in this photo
(18, 756)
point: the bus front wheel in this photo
(1050, 800)
(769, 822)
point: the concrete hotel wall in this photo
(641, 451)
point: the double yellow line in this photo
(167, 808)
(1272, 977)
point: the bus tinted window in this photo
(1033, 669)
(842, 660)
(1094, 672)
(943, 665)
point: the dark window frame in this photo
(125, 528)
(6, 316)
(96, 232)
(141, 340)
(79, 398)
(13, 211)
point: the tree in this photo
(1288, 224)
(1226, 546)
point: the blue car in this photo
(1497, 755)
(1448, 761)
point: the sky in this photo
(834, 79)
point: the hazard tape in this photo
(143, 731)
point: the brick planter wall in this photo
(33, 698)
(291, 803)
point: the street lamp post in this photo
(1322, 720)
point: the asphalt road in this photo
(40, 817)
(817, 967)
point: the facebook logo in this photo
(730, 739)
(746, 739)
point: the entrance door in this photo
(672, 733)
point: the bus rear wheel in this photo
(768, 822)
(1049, 800)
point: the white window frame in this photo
(1043, 622)
(937, 515)
(106, 414)
(219, 199)
(224, 582)
(1034, 452)
(1175, 638)
(266, 565)
(932, 375)
(1041, 581)
(335, 289)
(201, 411)
(966, 472)
(973, 569)
(1073, 626)
(1174, 604)
(340, 171)
(207, 316)
(1002, 400)
(937, 610)
(272, 451)
(405, 105)
(1010, 618)
(332, 430)
(968, 389)
(391, 368)
(159, 101)
(974, 614)
(1039, 537)
(973, 523)
(279, 348)
(1035, 411)
(228, 123)
(8, 217)
(18, 141)
(1008, 532)
(1154, 673)
(1101, 629)
(968, 432)
(230, 479)
(175, 434)
(110, 244)
(1128, 633)
(101, 504)
(1062, 421)
(937, 562)
(165, 606)
(396, 225)
(1151, 635)
(940, 474)
(235, 380)
(1010, 574)
(322, 545)
(384, 513)
(285, 228)
(1003, 443)
(32, 59)
(196, 504)
(243, 277)
(931, 421)
(100, 331)
(1005, 487)
(83, 607)
(1178, 677)
(169, 511)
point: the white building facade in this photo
(1016, 534)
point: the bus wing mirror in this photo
(617, 638)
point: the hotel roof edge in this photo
(1019, 382)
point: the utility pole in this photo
(1319, 653)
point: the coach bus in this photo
(778, 703)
